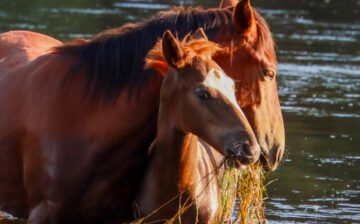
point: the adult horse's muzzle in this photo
(270, 161)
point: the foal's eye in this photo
(202, 92)
(269, 74)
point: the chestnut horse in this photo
(196, 100)
(76, 123)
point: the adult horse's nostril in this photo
(247, 150)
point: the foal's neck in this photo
(177, 158)
(172, 171)
(179, 166)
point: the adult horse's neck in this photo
(182, 169)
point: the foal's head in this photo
(197, 97)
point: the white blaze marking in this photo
(2, 60)
(218, 80)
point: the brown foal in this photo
(199, 123)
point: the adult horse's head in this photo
(199, 98)
(252, 65)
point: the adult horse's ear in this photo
(199, 34)
(243, 18)
(228, 3)
(172, 50)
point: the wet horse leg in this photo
(36, 179)
(12, 192)
(38, 214)
(41, 214)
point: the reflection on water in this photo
(319, 89)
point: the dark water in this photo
(319, 87)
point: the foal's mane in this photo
(114, 59)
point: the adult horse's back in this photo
(19, 47)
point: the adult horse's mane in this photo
(114, 59)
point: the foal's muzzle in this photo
(244, 152)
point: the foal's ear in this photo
(243, 17)
(199, 34)
(172, 50)
(228, 3)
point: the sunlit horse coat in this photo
(73, 142)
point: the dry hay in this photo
(242, 188)
(246, 189)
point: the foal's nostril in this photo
(247, 150)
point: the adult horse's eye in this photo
(202, 92)
(269, 74)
